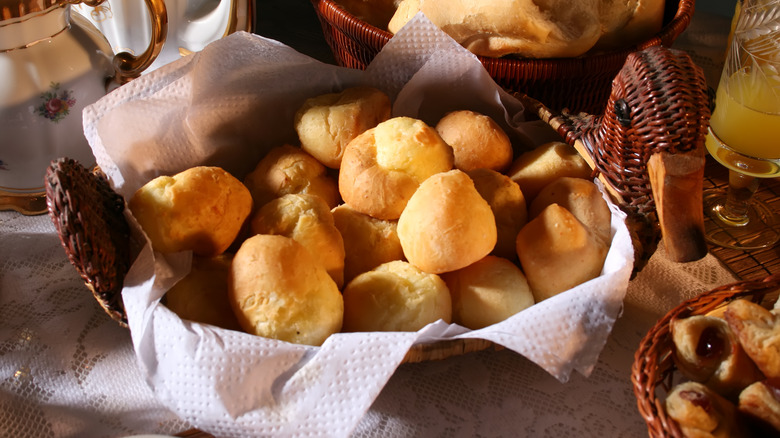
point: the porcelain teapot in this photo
(53, 64)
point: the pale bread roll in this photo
(487, 292)
(509, 208)
(382, 167)
(582, 198)
(202, 295)
(289, 169)
(395, 296)
(446, 225)
(477, 141)
(201, 209)
(308, 220)
(557, 252)
(279, 291)
(327, 123)
(368, 242)
(534, 169)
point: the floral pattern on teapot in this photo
(56, 104)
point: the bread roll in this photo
(368, 242)
(507, 202)
(289, 169)
(327, 123)
(279, 291)
(477, 141)
(582, 198)
(200, 209)
(382, 167)
(395, 296)
(374, 12)
(446, 225)
(557, 252)
(534, 169)
(202, 295)
(308, 220)
(487, 291)
(625, 23)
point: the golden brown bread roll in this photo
(582, 198)
(446, 225)
(327, 123)
(382, 167)
(628, 22)
(289, 169)
(202, 295)
(278, 290)
(395, 296)
(476, 139)
(507, 202)
(535, 169)
(707, 351)
(487, 291)
(368, 242)
(557, 252)
(200, 209)
(308, 220)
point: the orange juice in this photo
(747, 115)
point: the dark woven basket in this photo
(579, 84)
(654, 373)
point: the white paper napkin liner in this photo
(217, 378)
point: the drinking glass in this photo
(744, 132)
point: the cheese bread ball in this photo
(308, 220)
(509, 208)
(557, 252)
(446, 225)
(477, 141)
(395, 296)
(368, 242)
(289, 169)
(383, 167)
(200, 209)
(488, 291)
(534, 169)
(279, 291)
(582, 198)
(202, 295)
(327, 123)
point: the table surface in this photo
(488, 393)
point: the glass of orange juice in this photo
(744, 132)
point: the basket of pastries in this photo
(562, 53)
(279, 234)
(710, 366)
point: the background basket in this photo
(580, 84)
(653, 373)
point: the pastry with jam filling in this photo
(707, 351)
(758, 330)
(701, 412)
(760, 402)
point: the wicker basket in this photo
(654, 374)
(579, 84)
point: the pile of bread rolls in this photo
(378, 223)
(531, 29)
(731, 362)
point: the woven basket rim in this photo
(653, 366)
(339, 17)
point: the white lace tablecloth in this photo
(68, 370)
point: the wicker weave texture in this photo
(653, 373)
(578, 84)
